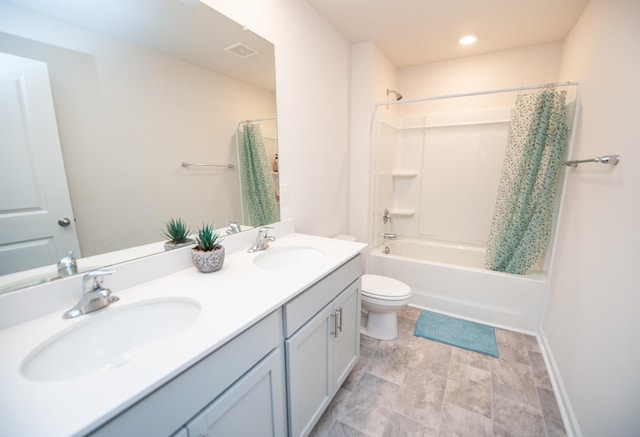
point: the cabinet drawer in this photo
(302, 308)
(196, 387)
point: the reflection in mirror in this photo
(259, 172)
(110, 98)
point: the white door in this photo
(36, 221)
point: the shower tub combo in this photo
(452, 279)
(436, 167)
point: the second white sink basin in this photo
(108, 338)
(283, 258)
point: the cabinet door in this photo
(346, 341)
(310, 384)
(253, 406)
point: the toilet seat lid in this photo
(384, 287)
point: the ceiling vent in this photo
(241, 50)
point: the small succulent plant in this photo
(207, 238)
(176, 231)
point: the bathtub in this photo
(451, 279)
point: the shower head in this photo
(398, 95)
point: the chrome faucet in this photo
(386, 216)
(67, 265)
(262, 240)
(94, 298)
(234, 228)
(388, 236)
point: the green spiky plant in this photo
(176, 231)
(207, 239)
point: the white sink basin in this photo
(108, 338)
(283, 258)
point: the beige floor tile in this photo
(460, 422)
(512, 346)
(369, 406)
(471, 358)
(470, 388)
(402, 426)
(515, 381)
(339, 429)
(540, 370)
(551, 413)
(513, 419)
(431, 355)
(390, 361)
(421, 397)
(416, 387)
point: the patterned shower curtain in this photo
(257, 182)
(523, 215)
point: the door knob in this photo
(64, 221)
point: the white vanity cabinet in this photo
(253, 406)
(322, 344)
(274, 379)
(236, 390)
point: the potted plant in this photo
(177, 233)
(208, 255)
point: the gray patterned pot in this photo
(208, 262)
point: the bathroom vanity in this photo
(258, 348)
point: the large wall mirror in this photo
(137, 88)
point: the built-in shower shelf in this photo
(403, 212)
(404, 174)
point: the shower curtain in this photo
(523, 214)
(258, 187)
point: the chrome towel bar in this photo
(608, 159)
(189, 164)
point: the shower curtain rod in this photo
(478, 93)
(257, 120)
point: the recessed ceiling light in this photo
(469, 39)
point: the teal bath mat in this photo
(456, 332)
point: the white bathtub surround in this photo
(437, 165)
(451, 279)
(231, 300)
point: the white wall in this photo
(127, 117)
(592, 322)
(371, 75)
(312, 78)
(504, 69)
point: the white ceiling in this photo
(186, 29)
(415, 32)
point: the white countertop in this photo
(231, 300)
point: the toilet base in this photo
(382, 326)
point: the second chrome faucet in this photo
(262, 240)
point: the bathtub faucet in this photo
(388, 236)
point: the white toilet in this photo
(382, 297)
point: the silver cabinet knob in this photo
(64, 221)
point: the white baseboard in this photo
(568, 416)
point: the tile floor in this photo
(411, 386)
